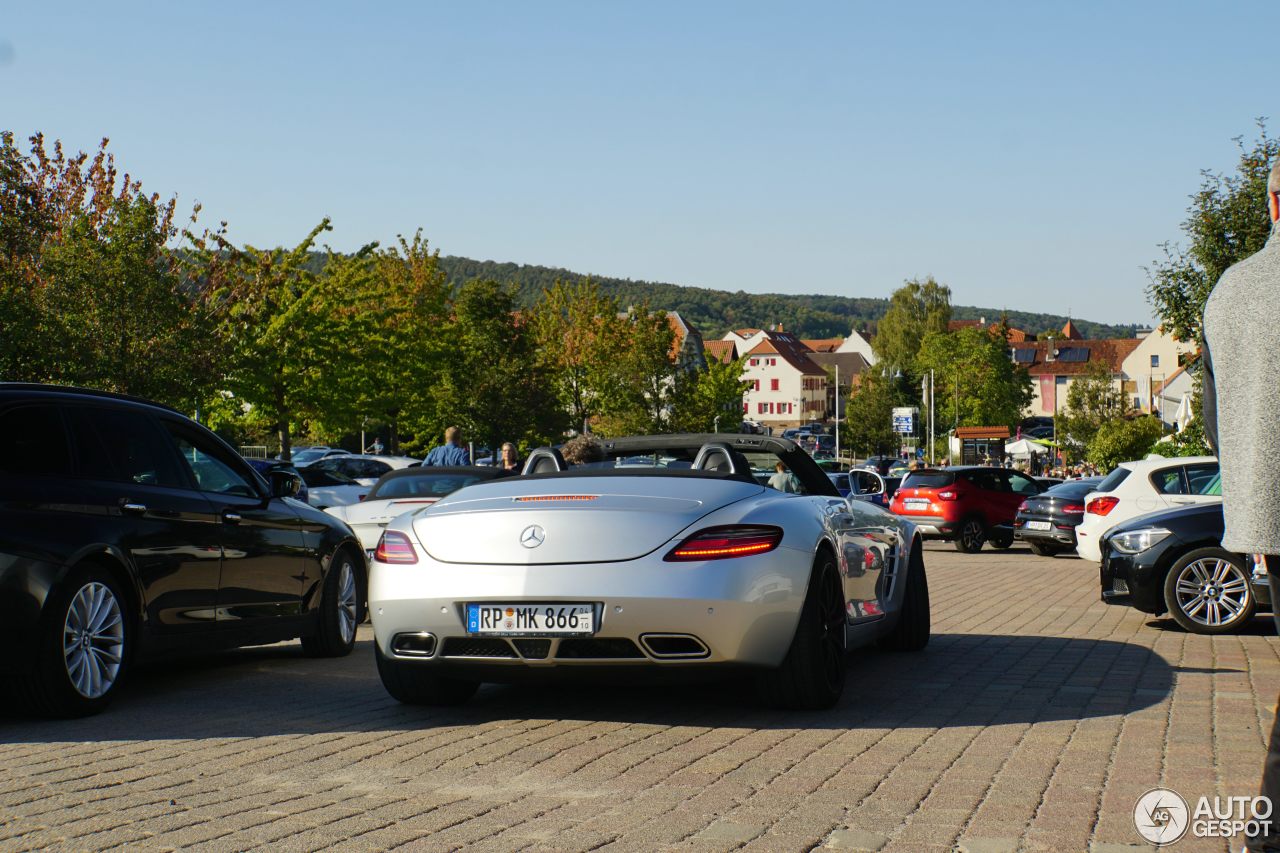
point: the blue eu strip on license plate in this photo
(531, 619)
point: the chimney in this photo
(982, 321)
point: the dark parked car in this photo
(128, 530)
(1172, 562)
(266, 466)
(967, 505)
(1047, 521)
(881, 464)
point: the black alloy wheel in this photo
(971, 536)
(812, 675)
(1041, 549)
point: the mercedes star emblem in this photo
(533, 536)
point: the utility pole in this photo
(837, 415)
(932, 438)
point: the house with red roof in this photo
(786, 387)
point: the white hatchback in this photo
(1136, 488)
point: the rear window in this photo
(928, 480)
(1072, 490)
(429, 485)
(34, 441)
(1112, 481)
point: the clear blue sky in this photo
(1030, 155)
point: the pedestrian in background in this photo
(784, 481)
(510, 462)
(1241, 416)
(450, 453)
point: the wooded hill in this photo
(713, 312)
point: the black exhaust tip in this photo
(420, 645)
(674, 646)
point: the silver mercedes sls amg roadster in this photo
(671, 555)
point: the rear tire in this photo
(971, 535)
(83, 646)
(1041, 549)
(812, 674)
(911, 633)
(416, 684)
(341, 609)
(1002, 541)
(1207, 592)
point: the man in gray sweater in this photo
(1242, 422)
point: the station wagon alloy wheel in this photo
(1213, 592)
(93, 640)
(348, 604)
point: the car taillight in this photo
(1101, 506)
(948, 495)
(1022, 507)
(395, 548)
(719, 543)
(1078, 509)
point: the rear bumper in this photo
(743, 611)
(931, 526)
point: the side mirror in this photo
(285, 484)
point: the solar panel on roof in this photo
(1073, 354)
(1024, 356)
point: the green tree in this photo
(1226, 222)
(90, 293)
(642, 382)
(715, 392)
(976, 383)
(285, 331)
(916, 309)
(1123, 440)
(1093, 399)
(868, 423)
(577, 331)
(491, 385)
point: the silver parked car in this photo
(684, 563)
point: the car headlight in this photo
(1137, 541)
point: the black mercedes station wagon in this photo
(129, 531)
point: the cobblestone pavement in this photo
(1034, 721)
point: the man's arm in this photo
(1208, 398)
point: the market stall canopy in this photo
(1024, 447)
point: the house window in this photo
(773, 385)
(1155, 361)
(759, 408)
(773, 362)
(1137, 402)
(744, 408)
(755, 362)
(755, 385)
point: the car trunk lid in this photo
(569, 519)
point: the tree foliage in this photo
(1226, 222)
(89, 292)
(710, 400)
(1124, 439)
(1092, 401)
(642, 383)
(976, 383)
(577, 330)
(916, 309)
(868, 423)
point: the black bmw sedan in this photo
(1047, 521)
(128, 531)
(1172, 562)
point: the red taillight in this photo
(395, 548)
(1101, 506)
(362, 497)
(1076, 509)
(948, 495)
(1022, 507)
(719, 543)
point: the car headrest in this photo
(544, 460)
(719, 457)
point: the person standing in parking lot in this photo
(450, 453)
(510, 462)
(1241, 402)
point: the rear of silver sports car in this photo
(588, 572)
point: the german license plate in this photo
(546, 620)
(1039, 525)
(916, 503)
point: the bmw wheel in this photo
(1207, 592)
(83, 647)
(341, 609)
(812, 674)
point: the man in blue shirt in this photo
(450, 453)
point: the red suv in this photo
(969, 506)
